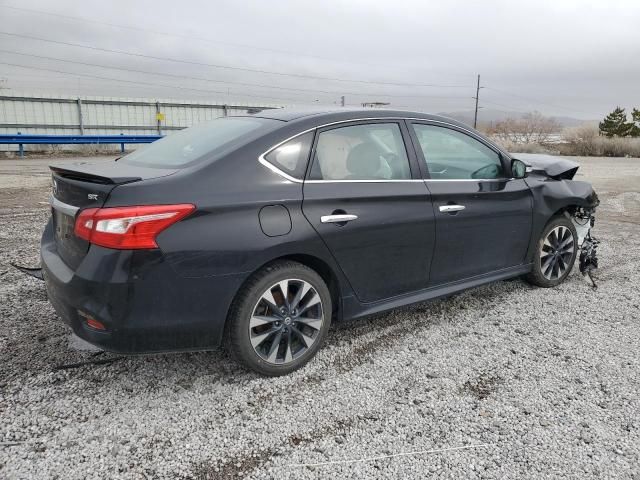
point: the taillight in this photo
(128, 227)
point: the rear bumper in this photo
(144, 304)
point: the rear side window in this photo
(453, 155)
(291, 157)
(194, 143)
(361, 152)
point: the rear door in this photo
(364, 197)
(483, 216)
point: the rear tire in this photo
(279, 319)
(555, 253)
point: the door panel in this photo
(491, 232)
(387, 249)
(483, 217)
(376, 219)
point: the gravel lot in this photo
(504, 381)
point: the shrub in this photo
(532, 127)
(586, 141)
(517, 147)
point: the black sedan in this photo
(255, 232)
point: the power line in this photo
(204, 79)
(198, 89)
(502, 105)
(414, 107)
(191, 62)
(254, 47)
(178, 87)
(176, 35)
(540, 102)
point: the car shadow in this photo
(48, 346)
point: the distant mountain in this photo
(488, 116)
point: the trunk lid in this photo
(87, 185)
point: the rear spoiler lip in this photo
(80, 174)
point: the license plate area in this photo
(71, 248)
(63, 225)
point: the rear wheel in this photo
(555, 253)
(279, 320)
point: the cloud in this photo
(564, 58)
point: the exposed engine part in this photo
(588, 257)
(586, 215)
(32, 272)
(584, 219)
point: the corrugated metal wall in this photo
(67, 115)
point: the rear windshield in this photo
(195, 143)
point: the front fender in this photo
(551, 196)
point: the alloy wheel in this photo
(556, 253)
(286, 321)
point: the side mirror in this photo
(518, 168)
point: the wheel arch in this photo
(556, 197)
(322, 268)
(318, 265)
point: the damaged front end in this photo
(584, 220)
(552, 183)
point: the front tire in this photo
(555, 254)
(279, 319)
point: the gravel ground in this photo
(504, 381)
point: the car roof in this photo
(329, 114)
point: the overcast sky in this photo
(575, 58)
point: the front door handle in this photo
(337, 218)
(451, 208)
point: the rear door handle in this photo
(451, 208)
(337, 218)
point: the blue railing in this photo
(121, 139)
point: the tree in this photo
(635, 120)
(615, 124)
(531, 128)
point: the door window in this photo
(452, 155)
(291, 157)
(361, 152)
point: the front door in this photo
(375, 217)
(483, 217)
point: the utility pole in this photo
(475, 117)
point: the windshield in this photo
(192, 144)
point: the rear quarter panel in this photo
(224, 236)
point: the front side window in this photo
(361, 152)
(453, 155)
(291, 157)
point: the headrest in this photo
(364, 161)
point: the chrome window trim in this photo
(275, 169)
(468, 179)
(63, 207)
(407, 180)
(471, 133)
(262, 160)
